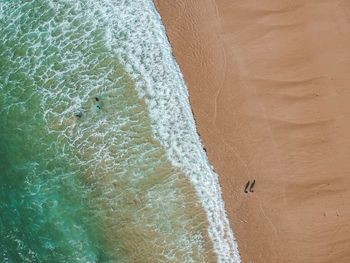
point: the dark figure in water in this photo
(78, 114)
(98, 106)
(97, 99)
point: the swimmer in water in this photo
(78, 114)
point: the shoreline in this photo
(269, 105)
(158, 79)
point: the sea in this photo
(100, 159)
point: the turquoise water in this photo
(82, 178)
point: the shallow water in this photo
(82, 176)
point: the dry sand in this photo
(269, 84)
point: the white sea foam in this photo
(137, 36)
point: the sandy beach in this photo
(269, 87)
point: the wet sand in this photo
(269, 85)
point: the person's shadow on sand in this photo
(250, 186)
